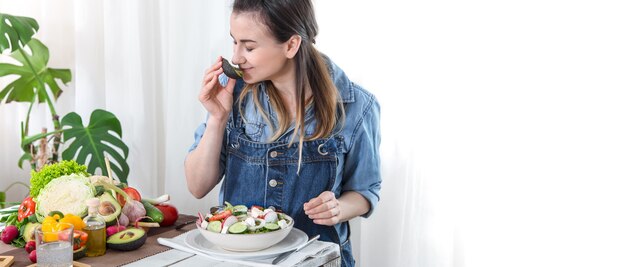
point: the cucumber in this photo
(215, 226)
(271, 226)
(151, 211)
(238, 228)
(240, 210)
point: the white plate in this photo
(294, 239)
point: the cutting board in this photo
(75, 263)
(6, 261)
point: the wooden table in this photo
(153, 254)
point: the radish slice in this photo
(271, 217)
(228, 222)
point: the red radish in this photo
(10, 232)
(32, 256)
(114, 229)
(30, 246)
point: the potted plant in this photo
(36, 83)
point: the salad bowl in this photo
(245, 230)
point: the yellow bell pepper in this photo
(51, 226)
(74, 220)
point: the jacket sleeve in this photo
(362, 162)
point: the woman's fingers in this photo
(211, 71)
(323, 209)
(314, 204)
(329, 217)
(213, 75)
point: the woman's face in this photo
(256, 51)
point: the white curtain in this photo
(503, 124)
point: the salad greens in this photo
(40, 179)
(239, 219)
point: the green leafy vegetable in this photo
(40, 179)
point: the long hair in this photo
(283, 19)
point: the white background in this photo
(503, 122)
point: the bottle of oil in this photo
(95, 229)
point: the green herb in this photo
(49, 172)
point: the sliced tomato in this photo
(131, 192)
(220, 216)
(80, 239)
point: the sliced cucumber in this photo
(240, 210)
(271, 226)
(238, 228)
(215, 226)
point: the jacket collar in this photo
(343, 84)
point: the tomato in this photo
(131, 192)
(220, 216)
(80, 239)
(170, 214)
(26, 209)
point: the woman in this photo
(294, 133)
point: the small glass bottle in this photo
(95, 227)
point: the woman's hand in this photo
(216, 99)
(324, 209)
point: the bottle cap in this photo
(92, 202)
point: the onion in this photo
(133, 209)
(123, 219)
(259, 223)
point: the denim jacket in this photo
(259, 172)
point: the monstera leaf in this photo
(32, 74)
(95, 140)
(19, 30)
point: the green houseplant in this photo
(36, 83)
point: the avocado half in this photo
(129, 239)
(231, 71)
(109, 208)
(29, 231)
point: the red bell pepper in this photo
(220, 216)
(26, 209)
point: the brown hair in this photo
(283, 19)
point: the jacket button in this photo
(273, 183)
(273, 154)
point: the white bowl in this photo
(247, 242)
